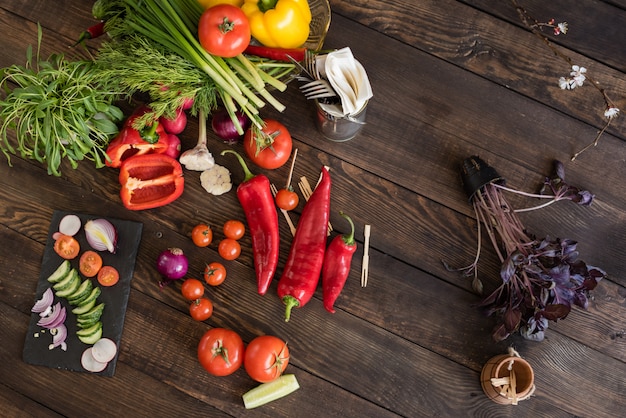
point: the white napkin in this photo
(348, 78)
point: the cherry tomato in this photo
(202, 235)
(224, 30)
(108, 276)
(234, 229)
(215, 273)
(66, 246)
(201, 309)
(192, 289)
(220, 351)
(287, 199)
(269, 148)
(90, 263)
(229, 249)
(266, 358)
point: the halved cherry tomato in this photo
(215, 273)
(192, 289)
(201, 309)
(221, 351)
(234, 229)
(108, 276)
(269, 148)
(287, 199)
(266, 358)
(66, 246)
(224, 30)
(202, 235)
(229, 249)
(90, 263)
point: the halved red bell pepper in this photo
(150, 181)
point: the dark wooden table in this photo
(451, 79)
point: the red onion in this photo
(43, 305)
(101, 235)
(59, 338)
(55, 319)
(224, 127)
(172, 264)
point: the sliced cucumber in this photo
(84, 323)
(70, 287)
(95, 312)
(91, 334)
(268, 392)
(68, 281)
(82, 293)
(60, 273)
(88, 303)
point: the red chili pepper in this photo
(255, 197)
(150, 181)
(306, 256)
(277, 54)
(337, 261)
(92, 32)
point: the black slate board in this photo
(36, 349)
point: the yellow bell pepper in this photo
(210, 3)
(279, 23)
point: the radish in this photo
(177, 124)
(89, 363)
(104, 350)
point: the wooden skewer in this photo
(366, 256)
(293, 163)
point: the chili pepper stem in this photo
(248, 174)
(290, 303)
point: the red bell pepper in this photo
(257, 202)
(149, 181)
(306, 256)
(337, 261)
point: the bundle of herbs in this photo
(57, 109)
(541, 278)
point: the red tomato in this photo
(90, 263)
(108, 276)
(201, 309)
(215, 274)
(220, 351)
(266, 358)
(224, 30)
(66, 246)
(229, 249)
(269, 148)
(202, 235)
(234, 229)
(287, 199)
(192, 289)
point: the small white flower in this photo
(567, 83)
(611, 112)
(562, 28)
(578, 74)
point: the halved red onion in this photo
(55, 319)
(44, 303)
(101, 235)
(69, 225)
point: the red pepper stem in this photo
(150, 134)
(247, 172)
(348, 239)
(290, 303)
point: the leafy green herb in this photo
(56, 109)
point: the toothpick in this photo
(293, 163)
(366, 257)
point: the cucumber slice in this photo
(270, 391)
(71, 287)
(90, 335)
(67, 282)
(94, 312)
(82, 293)
(88, 303)
(60, 273)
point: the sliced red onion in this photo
(59, 338)
(70, 225)
(44, 303)
(101, 235)
(55, 319)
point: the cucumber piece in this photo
(71, 287)
(95, 312)
(82, 293)
(60, 273)
(270, 391)
(67, 282)
(90, 335)
(84, 323)
(88, 303)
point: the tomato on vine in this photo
(220, 351)
(215, 273)
(192, 289)
(270, 147)
(234, 229)
(202, 235)
(201, 309)
(266, 358)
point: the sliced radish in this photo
(70, 225)
(104, 350)
(89, 363)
